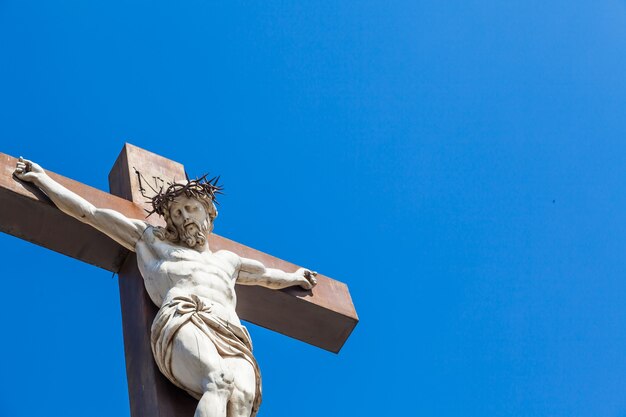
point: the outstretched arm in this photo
(118, 227)
(253, 272)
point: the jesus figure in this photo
(197, 339)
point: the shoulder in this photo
(148, 233)
(140, 225)
(229, 257)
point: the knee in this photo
(220, 381)
(242, 399)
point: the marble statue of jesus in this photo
(197, 339)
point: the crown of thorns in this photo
(199, 188)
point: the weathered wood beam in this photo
(324, 317)
(27, 213)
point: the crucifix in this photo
(164, 257)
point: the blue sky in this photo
(460, 165)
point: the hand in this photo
(305, 278)
(27, 170)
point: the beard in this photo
(193, 234)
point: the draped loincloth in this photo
(229, 339)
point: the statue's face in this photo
(184, 210)
(191, 220)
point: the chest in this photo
(164, 258)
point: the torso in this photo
(171, 270)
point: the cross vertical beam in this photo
(149, 392)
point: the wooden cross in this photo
(324, 317)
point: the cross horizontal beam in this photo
(324, 317)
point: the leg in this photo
(197, 365)
(244, 389)
(212, 404)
